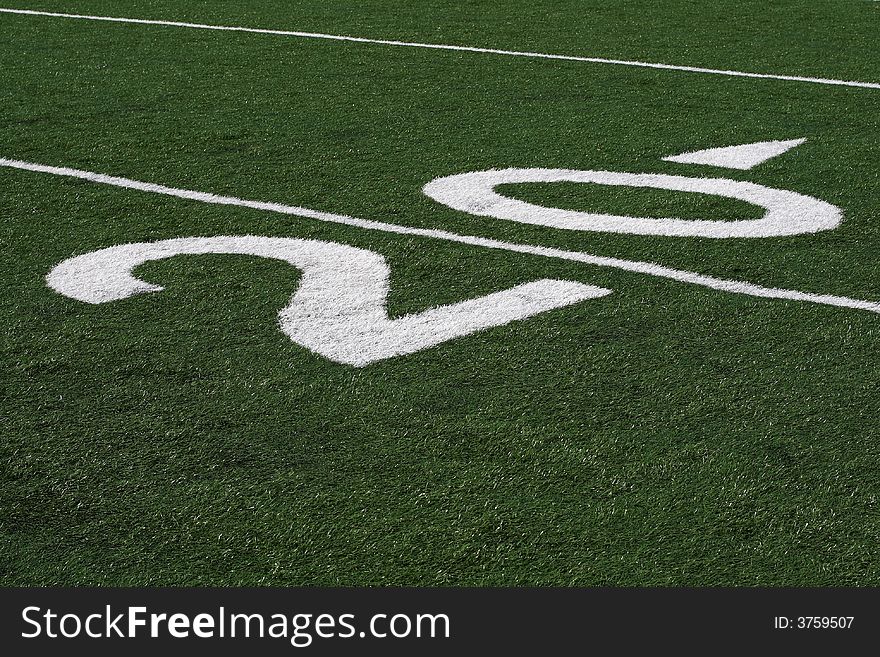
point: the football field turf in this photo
(712, 420)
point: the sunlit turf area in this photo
(668, 431)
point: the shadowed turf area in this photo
(665, 434)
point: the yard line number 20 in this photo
(339, 308)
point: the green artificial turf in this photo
(666, 434)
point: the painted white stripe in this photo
(649, 268)
(441, 46)
(652, 269)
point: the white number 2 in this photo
(338, 310)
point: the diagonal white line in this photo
(649, 268)
(440, 46)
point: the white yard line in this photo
(439, 46)
(651, 269)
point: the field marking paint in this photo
(648, 268)
(742, 157)
(338, 309)
(788, 213)
(440, 46)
